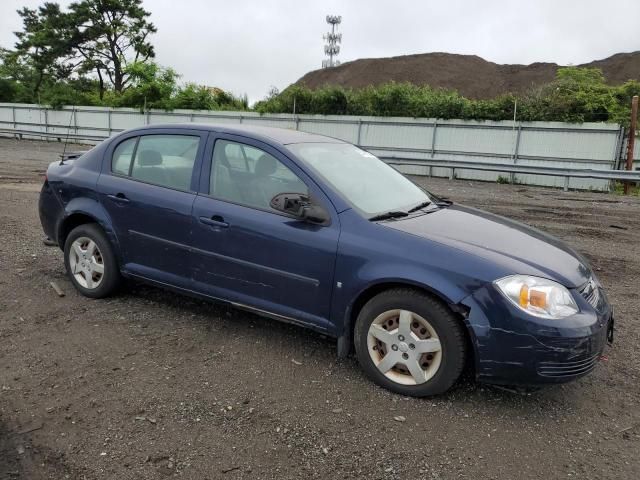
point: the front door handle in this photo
(119, 198)
(215, 221)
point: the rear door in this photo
(249, 253)
(148, 187)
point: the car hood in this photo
(518, 248)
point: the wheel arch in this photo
(345, 340)
(82, 211)
(70, 222)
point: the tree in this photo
(99, 36)
(7, 90)
(580, 75)
(151, 86)
(110, 35)
(44, 44)
(194, 97)
(15, 77)
(580, 95)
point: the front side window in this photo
(165, 160)
(364, 180)
(237, 156)
(250, 176)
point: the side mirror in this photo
(301, 206)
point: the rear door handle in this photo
(119, 198)
(215, 221)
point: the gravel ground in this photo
(150, 384)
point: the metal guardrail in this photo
(567, 173)
(60, 136)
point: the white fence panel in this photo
(418, 137)
(548, 144)
(488, 139)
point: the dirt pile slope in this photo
(471, 75)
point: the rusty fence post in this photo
(632, 139)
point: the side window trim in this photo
(244, 156)
(133, 155)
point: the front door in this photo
(251, 254)
(147, 187)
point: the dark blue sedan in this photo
(315, 231)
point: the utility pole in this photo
(632, 139)
(331, 49)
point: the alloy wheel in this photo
(404, 347)
(86, 262)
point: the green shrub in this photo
(576, 95)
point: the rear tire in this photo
(410, 343)
(90, 261)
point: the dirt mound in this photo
(472, 76)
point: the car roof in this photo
(283, 136)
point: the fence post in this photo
(109, 121)
(240, 118)
(13, 117)
(566, 184)
(433, 139)
(617, 155)
(46, 123)
(359, 132)
(516, 150)
(297, 120)
(632, 139)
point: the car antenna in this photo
(66, 140)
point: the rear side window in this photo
(165, 160)
(121, 159)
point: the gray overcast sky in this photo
(247, 46)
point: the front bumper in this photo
(514, 348)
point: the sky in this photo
(248, 46)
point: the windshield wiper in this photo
(419, 206)
(388, 215)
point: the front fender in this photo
(447, 286)
(443, 284)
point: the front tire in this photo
(90, 261)
(410, 343)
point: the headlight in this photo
(538, 296)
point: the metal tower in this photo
(332, 48)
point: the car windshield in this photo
(369, 184)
